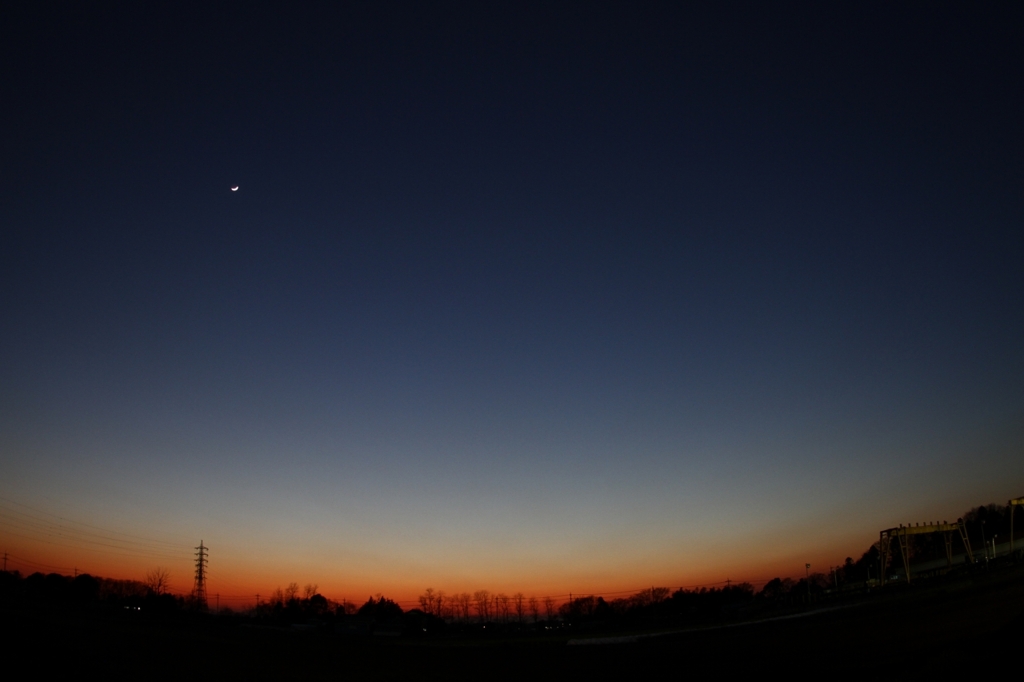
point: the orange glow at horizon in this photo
(237, 583)
(604, 560)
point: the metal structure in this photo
(902, 535)
(199, 587)
(1013, 504)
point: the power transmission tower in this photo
(199, 587)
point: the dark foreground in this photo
(968, 625)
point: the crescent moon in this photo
(235, 188)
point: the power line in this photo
(132, 537)
(65, 526)
(40, 526)
(64, 530)
(59, 533)
(67, 533)
(71, 543)
(27, 562)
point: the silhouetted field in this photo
(959, 624)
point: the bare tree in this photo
(449, 610)
(291, 592)
(309, 590)
(427, 600)
(439, 603)
(465, 604)
(158, 580)
(582, 605)
(519, 602)
(534, 609)
(503, 605)
(483, 604)
(651, 596)
(549, 607)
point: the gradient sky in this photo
(585, 298)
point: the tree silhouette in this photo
(464, 605)
(433, 602)
(291, 592)
(439, 603)
(777, 588)
(158, 580)
(381, 610)
(483, 605)
(427, 600)
(549, 608)
(503, 605)
(519, 604)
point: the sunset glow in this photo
(538, 301)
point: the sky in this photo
(542, 298)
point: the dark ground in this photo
(961, 626)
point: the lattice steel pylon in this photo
(199, 587)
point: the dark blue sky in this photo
(525, 271)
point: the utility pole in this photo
(199, 587)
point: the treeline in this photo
(58, 591)
(482, 610)
(517, 610)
